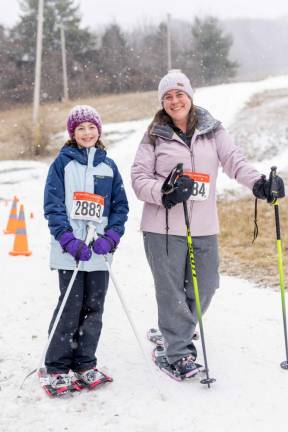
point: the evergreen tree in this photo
(56, 12)
(114, 59)
(78, 41)
(13, 84)
(150, 55)
(156, 53)
(210, 52)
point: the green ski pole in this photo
(206, 380)
(275, 203)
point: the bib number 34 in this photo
(201, 185)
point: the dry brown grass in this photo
(258, 261)
(267, 96)
(15, 123)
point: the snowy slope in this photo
(243, 328)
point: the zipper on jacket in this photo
(85, 177)
(192, 157)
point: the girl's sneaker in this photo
(91, 378)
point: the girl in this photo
(184, 133)
(83, 185)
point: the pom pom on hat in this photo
(174, 80)
(80, 114)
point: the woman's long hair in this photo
(73, 143)
(162, 118)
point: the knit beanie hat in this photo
(80, 114)
(174, 80)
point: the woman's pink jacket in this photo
(211, 147)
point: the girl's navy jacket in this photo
(82, 170)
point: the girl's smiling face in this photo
(86, 135)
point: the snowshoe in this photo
(185, 367)
(56, 385)
(179, 371)
(90, 379)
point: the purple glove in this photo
(75, 247)
(106, 243)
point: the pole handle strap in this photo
(256, 230)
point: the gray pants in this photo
(177, 317)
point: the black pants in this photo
(76, 337)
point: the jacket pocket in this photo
(103, 187)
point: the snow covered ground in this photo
(243, 328)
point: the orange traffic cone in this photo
(12, 221)
(20, 246)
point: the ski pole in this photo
(275, 203)
(89, 238)
(206, 380)
(116, 286)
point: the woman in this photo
(184, 133)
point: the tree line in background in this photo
(109, 61)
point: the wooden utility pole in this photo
(37, 83)
(169, 62)
(64, 64)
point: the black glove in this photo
(181, 191)
(263, 188)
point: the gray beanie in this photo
(174, 80)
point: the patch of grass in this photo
(239, 257)
(267, 96)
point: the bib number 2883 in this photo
(87, 206)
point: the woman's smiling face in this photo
(177, 104)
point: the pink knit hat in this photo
(80, 114)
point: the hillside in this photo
(15, 131)
(260, 128)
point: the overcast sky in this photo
(132, 12)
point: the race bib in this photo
(87, 206)
(201, 185)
